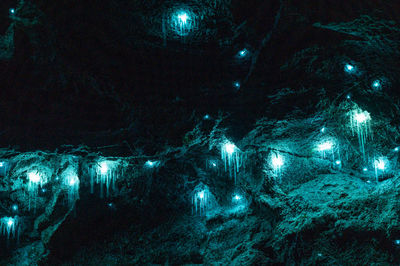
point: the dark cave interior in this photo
(215, 132)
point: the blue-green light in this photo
(183, 22)
(243, 53)
(349, 68)
(12, 11)
(376, 84)
(236, 84)
(237, 197)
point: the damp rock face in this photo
(199, 132)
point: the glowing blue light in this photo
(15, 207)
(277, 161)
(396, 149)
(360, 123)
(183, 22)
(105, 173)
(325, 146)
(323, 130)
(214, 164)
(9, 226)
(349, 68)
(231, 156)
(397, 242)
(362, 117)
(10, 222)
(12, 11)
(103, 168)
(183, 17)
(206, 117)
(243, 52)
(151, 164)
(236, 84)
(73, 180)
(34, 177)
(201, 195)
(338, 162)
(1, 164)
(379, 164)
(376, 84)
(43, 190)
(348, 96)
(202, 200)
(237, 197)
(229, 148)
(365, 169)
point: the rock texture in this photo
(95, 82)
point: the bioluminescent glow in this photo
(183, 17)
(239, 201)
(183, 22)
(360, 122)
(243, 53)
(379, 165)
(365, 169)
(151, 164)
(71, 185)
(349, 68)
(9, 226)
(14, 207)
(106, 173)
(348, 96)
(396, 149)
(201, 200)
(35, 179)
(229, 148)
(325, 146)
(397, 242)
(237, 197)
(362, 117)
(103, 167)
(236, 85)
(323, 130)
(12, 11)
(338, 162)
(231, 156)
(206, 117)
(213, 165)
(3, 168)
(201, 195)
(277, 163)
(376, 84)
